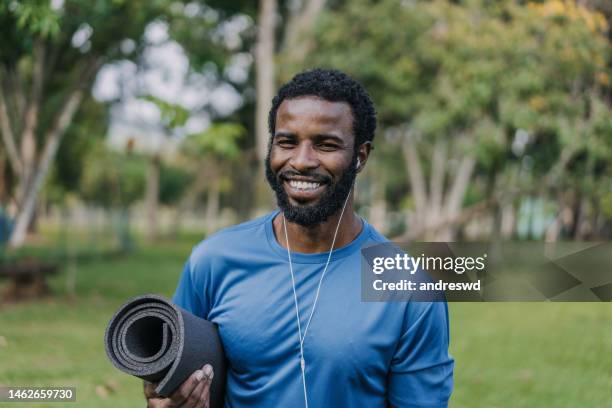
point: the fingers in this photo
(159, 403)
(193, 393)
(199, 398)
(185, 396)
(149, 390)
(180, 396)
(154, 400)
(205, 398)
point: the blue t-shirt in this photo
(358, 354)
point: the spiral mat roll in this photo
(151, 338)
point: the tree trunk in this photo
(212, 205)
(190, 198)
(460, 185)
(436, 184)
(378, 204)
(3, 194)
(264, 84)
(496, 230)
(437, 205)
(455, 196)
(8, 136)
(152, 197)
(53, 138)
(27, 200)
(295, 45)
(508, 221)
(264, 68)
(581, 219)
(28, 137)
(417, 179)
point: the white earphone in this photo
(302, 335)
(358, 163)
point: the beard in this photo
(331, 200)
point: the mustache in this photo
(319, 178)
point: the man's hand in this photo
(193, 393)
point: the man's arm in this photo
(193, 393)
(421, 371)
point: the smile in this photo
(303, 190)
(304, 185)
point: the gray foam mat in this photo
(151, 338)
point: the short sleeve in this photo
(421, 373)
(188, 295)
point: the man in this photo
(285, 289)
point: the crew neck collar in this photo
(319, 257)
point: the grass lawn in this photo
(507, 354)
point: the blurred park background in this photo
(132, 129)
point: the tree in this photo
(173, 117)
(111, 180)
(55, 52)
(281, 32)
(455, 82)
(211, 154)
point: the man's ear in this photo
(362, 155)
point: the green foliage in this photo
(387, 164)
(112, 179)
(111, 21)
(474, 73)
(36, 35)
(194, 33)
(35, 17)
(172, 115)
(606, 205)
(220, 139)
(83, 135)
(173, 183)
(469, 68)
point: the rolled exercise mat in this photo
(153, 339)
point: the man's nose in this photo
(305, 158)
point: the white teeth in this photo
(303, 185)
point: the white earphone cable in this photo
(297, 309)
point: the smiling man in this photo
(285, 289)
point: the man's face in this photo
(311, 162)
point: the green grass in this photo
(59, 340)
(532, 354)
(507, 354)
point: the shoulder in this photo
(377, 244)
(374, 236)
(231, 241)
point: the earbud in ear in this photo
(358, 163)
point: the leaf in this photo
(220, 139)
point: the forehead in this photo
(316, 112)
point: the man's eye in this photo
(328, 146)
(285, 143)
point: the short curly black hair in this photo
(334, 86)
